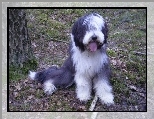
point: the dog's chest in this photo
(88, 63)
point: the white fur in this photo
(32, 75)
(96, 21)
(49, 88)
(103, 90)
(89, 34)
(87, 65)
(83, 87)
(95, 24)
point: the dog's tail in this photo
(60, 77)
(32, 75)
(42, 76)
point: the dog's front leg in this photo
(83, 87)
(103, 90)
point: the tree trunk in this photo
(20, 52)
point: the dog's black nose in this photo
(94, 37)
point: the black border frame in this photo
(67, 8)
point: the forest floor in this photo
(49, 31)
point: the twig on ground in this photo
(139, 53)
(93, 104)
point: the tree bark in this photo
(20, 51)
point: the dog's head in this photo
(89, 32)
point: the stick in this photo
(93, 104)
(139, 53)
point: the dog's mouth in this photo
(93, 46)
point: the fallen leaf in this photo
(133, 87)
(30, 97)
(18, 87)
(15, 94)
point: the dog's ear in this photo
(78, 32)
(105, 32)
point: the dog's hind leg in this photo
(49, 87)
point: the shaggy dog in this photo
(87, 64)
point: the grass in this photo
(16, 72)
(50, 30)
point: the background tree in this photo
(21, 57)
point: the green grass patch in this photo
(19, 72)
(111, 53)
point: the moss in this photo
(118, 85)
(88, 104)
(39, 93)
(111, 53)
(19, 72)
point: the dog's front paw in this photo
(83, 97)
(108, 99)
